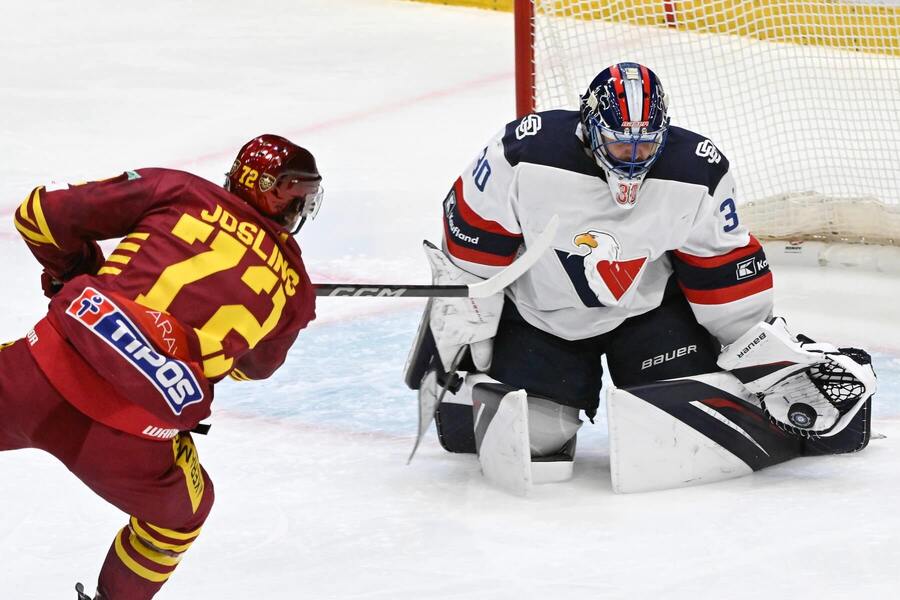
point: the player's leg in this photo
(147, 550)
(11, 435)
(521, 438)
(701, 428)
(161, 485)
(560, 379)
(26, 398)
(665, 343)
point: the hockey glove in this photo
(457, 322)
(808, 388)
(89, 263)
(50, 284)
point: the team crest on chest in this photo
(600, 272)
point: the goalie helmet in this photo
(625, 124)
(279, 179)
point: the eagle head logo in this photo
(608, 276)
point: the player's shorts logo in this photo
(90, 308)
(172, 378)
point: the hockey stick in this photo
(429, 409)
(482, 289)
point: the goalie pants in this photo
(160, 484)
(663, 343)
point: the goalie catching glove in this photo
(808, 388)
(458, 322)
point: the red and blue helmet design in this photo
(625, 120)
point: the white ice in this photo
(314, 499)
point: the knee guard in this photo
(553, 426)
(519, 439)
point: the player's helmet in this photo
(279, 179)
(623, 113)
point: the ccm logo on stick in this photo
(367, 291)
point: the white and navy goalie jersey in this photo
(606, 263)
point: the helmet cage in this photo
(601, 138)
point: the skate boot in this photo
(79, 589)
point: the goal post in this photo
(803, 96)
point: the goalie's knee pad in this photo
(519, 439)
(522, 439)
(552, 426)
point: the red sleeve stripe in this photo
(620, 92)
(475, 256)
(711, 262)
(645, 79)
(729, 294)
(474, 219)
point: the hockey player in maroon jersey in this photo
(651, 268)
(205, 283)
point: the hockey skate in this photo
(79, 589)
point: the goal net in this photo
(803, 96)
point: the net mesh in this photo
(802, 96)
(836, 383)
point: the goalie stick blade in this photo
(482, 289)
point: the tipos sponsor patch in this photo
(172, 378)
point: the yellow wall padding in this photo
(834, 23)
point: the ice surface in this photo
(314, 499)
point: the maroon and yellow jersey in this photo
(232, 280)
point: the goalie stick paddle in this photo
(482, 289)
(427, 410)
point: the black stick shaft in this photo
(389, 290)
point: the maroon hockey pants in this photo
(160, 484)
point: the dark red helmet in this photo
(279, 179)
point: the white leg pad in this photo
(554, 471)
(504, 452)
(651, 450)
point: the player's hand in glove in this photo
(808, 388)
(50, 284)
(457, 322)
(90, 262)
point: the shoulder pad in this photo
(548, 138)
(690, 158)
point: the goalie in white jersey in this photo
(650, 266)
